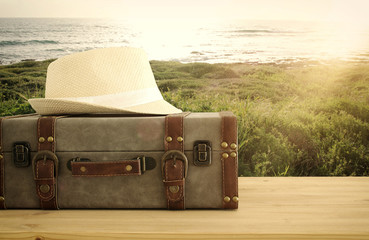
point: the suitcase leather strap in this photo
(229, 156)
(106, 168)
(2, 186)
(45, 163)
(2, 163)
(174, 162)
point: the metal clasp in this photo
(177, 155)
(76, 159)
(21, 154)
(147, 163)
(202, 153)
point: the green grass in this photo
(21, 81)
(298, 119)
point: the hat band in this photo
(123, 99)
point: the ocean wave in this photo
(55, 50)
(30, 42)
(262, 31)
(255, 31)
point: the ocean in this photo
(185, 40)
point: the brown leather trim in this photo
(174, 176)
(229, 163)
(2, 187)
(174, 183)
(45, 170)
(106, 169)
(2, 160)
(174, 169)
(45, 129)
(174, 129)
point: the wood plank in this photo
(270, 208)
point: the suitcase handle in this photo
(111, 168)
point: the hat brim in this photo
(59, 106)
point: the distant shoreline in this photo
(307, 62)
(251, 41)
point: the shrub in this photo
(293, 120)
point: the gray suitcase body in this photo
(118, 138)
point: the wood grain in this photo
(270, 208)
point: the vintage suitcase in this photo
(176, 161)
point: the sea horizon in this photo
(232, 41)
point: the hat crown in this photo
(99, 72)
(110, 80)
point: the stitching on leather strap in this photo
(229, 163)
(175, 193)
(2, 165)
(105, 169)
(46, 172)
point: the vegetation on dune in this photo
(19, 82)
(297, 119)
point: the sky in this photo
(352, 11)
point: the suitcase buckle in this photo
(178, 155)
(42, 156)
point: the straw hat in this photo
(109, 80)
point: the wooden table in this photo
(270, 208)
